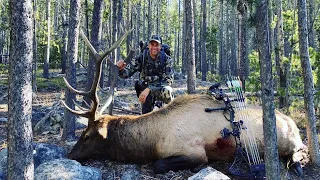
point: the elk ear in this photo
(103, 131)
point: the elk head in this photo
(93, 130)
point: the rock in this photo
(46, 152)
(116, 170)
(67, 170)
(3, 161)
(130, 171)
(208, 174)
(52, 122)
(3, 120)
(37, 115)
(42, 153)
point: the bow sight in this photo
(247, 162)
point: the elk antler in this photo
(92, 93)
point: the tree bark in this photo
(196, 41)
(87, 17)
(313, 142)
(178, 40)
(73, 40)
(20, 150)
(184, 68)
(149, 19)
(144, 21)
(234, 42)
(35, 48)
(96, 30)
(115, 29)
(222, 60)
(47, 58)
(280, 61)
(189, 43)
(269, 120)
(204, 63)
(64, 49)
(158, 18)
(311, 20)
(243, 57)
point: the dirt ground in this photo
(48, 98)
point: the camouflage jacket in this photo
(155, 73)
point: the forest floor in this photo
(48, 96)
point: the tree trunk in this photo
(87, 17)
(184, 68)
(234, 42)
(313, 142)
(73, 39)
(158, 18)
(311, 20)
(20, 150)
(243, 36)
(189, 41)
(204, 63)
(120, 25)
(178, 40)
(196, 41)
(64, 49)
(46, 61)
(2, 42)
(115, 30)
(149, 19)
(95, 41)
(282, 64)
(222, 60)
(35, 48)
(129, 23)
(144, 36)
(55, 16)
(269, 120)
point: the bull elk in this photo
(179, 136)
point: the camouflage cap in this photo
(156, 38)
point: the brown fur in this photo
(182, 128)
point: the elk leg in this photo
(298, 169)
(176, 163)
(148, 105)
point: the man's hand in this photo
(143, 95)
(121, 64)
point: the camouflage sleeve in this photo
(167, 77)
(131, 68)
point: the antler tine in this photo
(92, 93)
(80, 113)
(116, 44)
(74, 90)
(92, 49)
(80, 107)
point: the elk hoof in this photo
(297, 169)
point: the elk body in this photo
(179, 136)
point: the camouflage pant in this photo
(163, 94)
